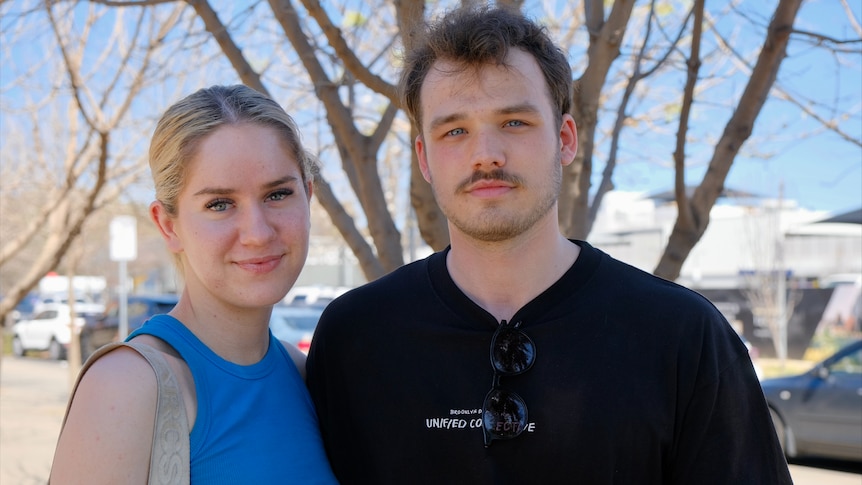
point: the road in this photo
(33, 394)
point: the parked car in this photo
(104, 329)
(295, 324)
(313, 295)
(819, 413)
(23, 310)
(49, 329)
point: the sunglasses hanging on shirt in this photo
(504, 413)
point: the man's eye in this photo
(456, 131)
(218, 205)
(515, 123)
(280, 194)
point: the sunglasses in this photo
(504, 413)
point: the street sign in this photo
(124, 238)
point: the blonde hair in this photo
(187, 122)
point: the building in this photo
(748, 243)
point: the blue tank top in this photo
(255, 423)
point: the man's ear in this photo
(568, 140)
(166, 225)
(419, 144)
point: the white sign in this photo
(124, 238)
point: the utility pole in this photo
(73, 354)
(781, 287)
(123, 248)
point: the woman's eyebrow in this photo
(214, 191)
(228, 191)
(282, 181)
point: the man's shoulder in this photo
(648, 292)
(395, 280)
(385, 292)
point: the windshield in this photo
(295, 319)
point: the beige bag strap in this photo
(170, 456)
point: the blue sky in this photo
(789, 150)
(817, 173)
(817, 169)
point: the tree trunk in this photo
(693, 215)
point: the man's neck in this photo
(502, 277)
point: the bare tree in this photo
(349, 53)
(693, 215)
(84, 155)
(766, 288)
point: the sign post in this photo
(124, 248)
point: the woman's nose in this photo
(256, 229)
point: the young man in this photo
(598, 372)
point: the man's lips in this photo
(488, 188)
(491, 183)
(259, 265)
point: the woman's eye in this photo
(218, 205)
(280, 194)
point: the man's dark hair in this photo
(476, 36)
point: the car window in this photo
(137, 309)
(162, 307)
(298, 322)
(141, 308)
(27, 305)
(47, 315)
(297, 318)
(113, 311)
(849, 364)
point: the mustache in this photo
(496, 174)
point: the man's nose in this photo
(487, 150)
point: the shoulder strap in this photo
(170, 456)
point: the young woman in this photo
(233, 185)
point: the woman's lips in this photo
(259, 265)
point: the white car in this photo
(49, 329)
(295, 324)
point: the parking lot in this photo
(33, 393)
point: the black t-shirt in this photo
(637, 380)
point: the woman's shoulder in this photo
(110, 419)
(120, 377)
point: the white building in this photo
(736, 264)
(743, 237)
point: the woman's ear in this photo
(166, 225)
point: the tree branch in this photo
(684, 215)
(346, 54)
